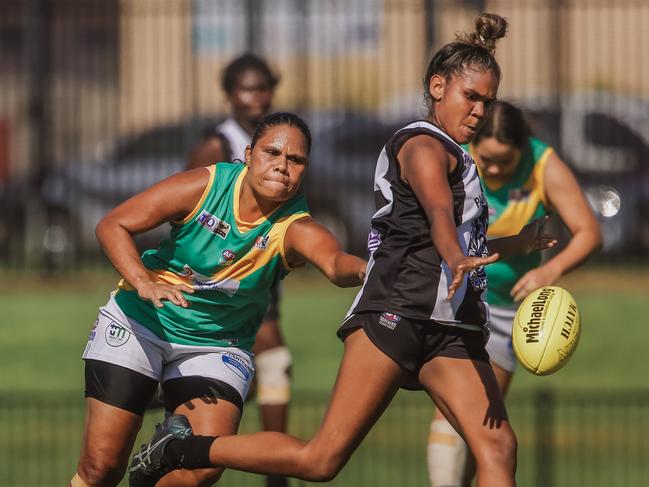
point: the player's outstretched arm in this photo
(531, 238)
(307, 240)
(425, 165)
(169, 200)
(566, 197)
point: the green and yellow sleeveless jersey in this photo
(512, 205)
(231, 265)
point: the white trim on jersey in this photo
(382, 184)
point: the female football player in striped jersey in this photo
(419, 319)
(523, 179)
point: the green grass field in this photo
(45, 325)
(46, 322)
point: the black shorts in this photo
(411, 343)
(132, 391)
(272, 313)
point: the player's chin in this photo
(464, 135)
(277, 194)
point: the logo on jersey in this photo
(389, 320)
(227, 257)
(478, 248)
(116, 335)
(373, 240)
(237, 365)
(213, 224)
(93, 331)
(518, 194)
(207, 283)
(262, 242)
(480, 201)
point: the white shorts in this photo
(122, 341)
(499, 345)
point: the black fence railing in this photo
(565, 439)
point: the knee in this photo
(499, 450)
(100, 469)
(273, 376)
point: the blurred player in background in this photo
(249, 85)
(418, 321)
(186, 314)
(523, 179)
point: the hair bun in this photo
(488, 29)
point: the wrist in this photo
(554, 269)
(141, 281)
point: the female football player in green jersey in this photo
(186, 314)
(523, 179)
(249, 86)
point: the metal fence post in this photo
(544, 412)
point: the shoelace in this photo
(144, 456)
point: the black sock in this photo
(190, 453)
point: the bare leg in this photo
(366, 383)
(273, 363)
(468, 395)
(107, 442)
(210, 418)
(447, 450)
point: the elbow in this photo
(597, 239)
(100, 229)
(106, 227)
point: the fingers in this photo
(520, 294)
(185, 288)
(525, 285)
(457, 280)
(546, 241)
(468, 264)
(542, 222)
(161, 292)
(156, 301)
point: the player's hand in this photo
(534, 279)
(534, 238)
(464, 265)
(156, 292)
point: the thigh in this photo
(207, 372)
(467, 393)
(268, 336)
(367, 381)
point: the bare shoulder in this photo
(418, 152)
(185, 187)
(302, 227)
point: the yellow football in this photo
(546, 330)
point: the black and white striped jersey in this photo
(406, 275)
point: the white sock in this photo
(447, 454)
